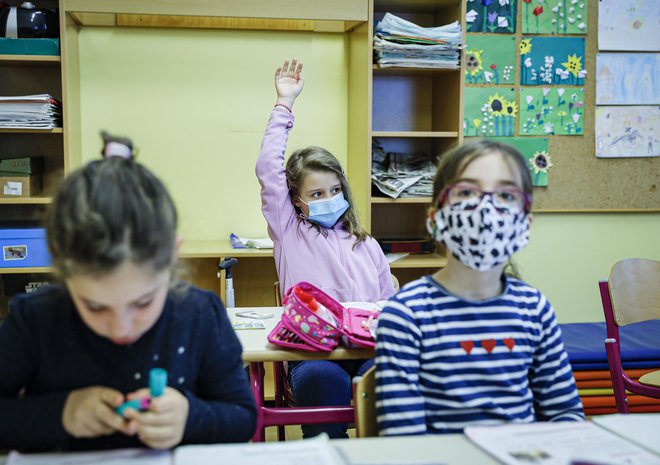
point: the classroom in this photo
(191, 85)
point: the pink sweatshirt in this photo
(301, 253)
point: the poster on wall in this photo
(535, 150)
(489, 111)
(554, 16)
(490, 59)
(628, 79)
(628, 25)
(552, 60)
(495, 16)
(627, 131)
(551, 111)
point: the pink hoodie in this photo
(301, 253)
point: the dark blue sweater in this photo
(46, 351)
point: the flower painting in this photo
(490, 111)
(535, 151)
(551, 111)
(552, 60)
(490, 59)
(554, 17)
(496, 16)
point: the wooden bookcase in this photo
(405, 109)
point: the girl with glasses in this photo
(470, 344)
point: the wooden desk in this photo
(257, 350)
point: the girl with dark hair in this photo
(71, 354)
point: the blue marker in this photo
(157, 385)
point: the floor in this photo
(294, 432)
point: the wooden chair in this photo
(631, 295)
(364, 403)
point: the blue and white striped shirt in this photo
(444, 363)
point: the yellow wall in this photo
(568, 254)
(196, 103)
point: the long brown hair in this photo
(311, 159)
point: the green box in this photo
(22, 165)
(13, 46)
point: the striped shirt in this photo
(444, 363)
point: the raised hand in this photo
(289, 82)
(90, 412)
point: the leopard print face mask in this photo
(479, 235)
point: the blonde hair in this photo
(315, 159)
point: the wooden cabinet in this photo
(413, 110)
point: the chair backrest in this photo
(364, 401)
(278, 295)
(634, 287)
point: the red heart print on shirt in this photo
(489, 344)
(467, 346)
(509, 342)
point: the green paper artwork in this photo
(490, 59)
(554, 17)
(494, 16)
(551, 111)
(535, 150)
(489, 111)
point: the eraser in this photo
(157, 381)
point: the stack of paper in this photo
(401, 43)
(401, 174)
(40, 111)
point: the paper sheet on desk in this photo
(640, 428)
(111, 457)
(557, 443)
(316, 451)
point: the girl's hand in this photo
(162, 426)
(90, 412)
(288, 82)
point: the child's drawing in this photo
(490, 59)
(628, 79)
(552, 60)
(627, 131)
(535, 150)
(554, 17)
(497, 16)
(490, 111)
(551, 111)
(628, 25)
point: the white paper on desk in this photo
(392, 257)
(111, 457)
(316, 451)
(557, 444)
(640, 428)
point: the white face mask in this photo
(478, 235)
(327, 212)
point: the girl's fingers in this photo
(285, 67)
(278, 73)
(298, 71)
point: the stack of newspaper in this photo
(40, 111)
(401, 174)
(398, 42)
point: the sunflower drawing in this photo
(525, 46)
(510, 109)
(496, 105)
(473, 62)
(573, 65)
(540, 162)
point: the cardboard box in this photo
(13, 185)
(17, 46)
(23, 247)
(21, 165)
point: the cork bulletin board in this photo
(578, 181)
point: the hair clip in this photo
(114, 146)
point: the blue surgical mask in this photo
(327, 212)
